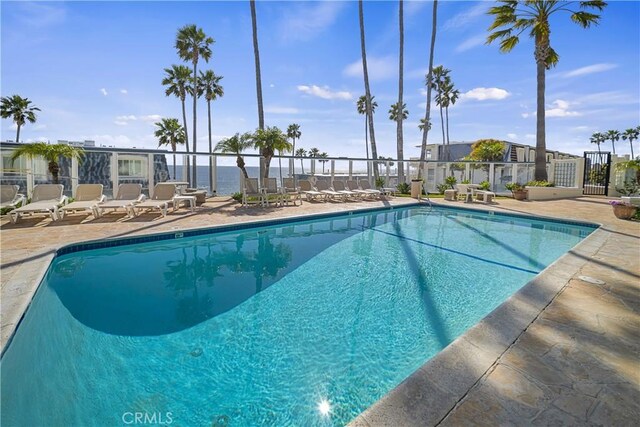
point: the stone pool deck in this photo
(561, 351)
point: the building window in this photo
(131, 167)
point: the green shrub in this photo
(629, 187)
(514, 186)
(539, 184)
(404, 188)
(451, 181)
(465, 181)
(379, 182)
(442, 187)
(485, 185)
(237, 197)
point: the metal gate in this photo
(597, 169)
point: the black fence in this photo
(597, 171)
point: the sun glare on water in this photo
(324, 407)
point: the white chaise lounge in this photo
(45, 199)
(88, 196)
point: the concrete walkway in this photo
(560, 351)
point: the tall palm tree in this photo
(515, 17)
(323, 160)
(256, 55)
(169, 132)
(427, 116)
(438, 83)
(598, 138)
(301, 152)
(293, 133)
(631, 135)
(209, 86)
(236, 144)
(269, 141)
(400, 118)
(613, 136)
(177, 80)
(450, 97)
(421, 125)
(362, 109)
(50, 152)
(19, 109)
(374, 149)
(192, 44)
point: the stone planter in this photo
(624, 211)
(519, 194)
(416, 189)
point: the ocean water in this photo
(304, 323)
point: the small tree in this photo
(268, 141)
(631, 135)
(301, 152)
(19, 109)
(236, 145)
(613, 136)
(50, 152)
(169, 132)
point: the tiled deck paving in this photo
(572, 361)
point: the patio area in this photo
(561, 350)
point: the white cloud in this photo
(272, 85)
(124, 91)
(560, 108)
(530, 136)
(151, 118)
(471, 42)
(126, 118)
(324, 92)
(590, 69)
(39, 15)
(485, 93)
(462, 19)
(512, 136)
(307, 20)
(378, 68)
(413, 7)
(103, 91)
(527, 115)
(121, 122)
(273, 109)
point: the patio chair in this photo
(88, 196)
(352, 185)
(339, 186)
(271, 192)
(483, 195)
(464, 192)
(126, 197)
(310, 192)
(251, 192)
(45, 199)
(163, 194)
(366, 186)
(9, 196)
(323, 187)
(290, 192)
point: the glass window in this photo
(131, 167)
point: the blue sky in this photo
(95, 70)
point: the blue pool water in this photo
(305, 323)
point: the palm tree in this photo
(421, 124)
(293, 132)
(236, 145)
(598, 138)
(256, 54)
(169, 132)
(368, 99)
(50, 152)
(177, 80)
(323, 160)
(301, 152)
(209, 85)
(427, 116)
(394, 110)
(613, 136)
(439, 82)
(362, 109)
(269, 141)
(192, 44)
(631, 135)
(400, 118)
(533, 15)
(450, 97)
(19, 109)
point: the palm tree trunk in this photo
(400, 138)
(366, 141)
(240, 163)
(195, 98)
(427, 116)
(302, 165)
(446, 112)
(631, 146)
(174, 165)
(540, 173)
(210, 147)
(280, 166)
(256, 54)
(18, 133)
(613, 145)
(374, 150)
(444, 148)
(186, 140)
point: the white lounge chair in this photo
(464, 192)
(271, 192)
(251, 192)
(9, 196)
(126, 197)
(45, 199)
(339, 186)
(323, 187)
(352, 185)
(88, 196)
(365, 186)
(484, 196)
(290, 191)
(161, 198)
(310, 191)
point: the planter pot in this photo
(520, 195)
(416, 189)
(624, 211)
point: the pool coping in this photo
(31, 274)
(429, 394)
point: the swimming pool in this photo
(303, 323)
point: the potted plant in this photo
(621, 210)
(517, 189)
